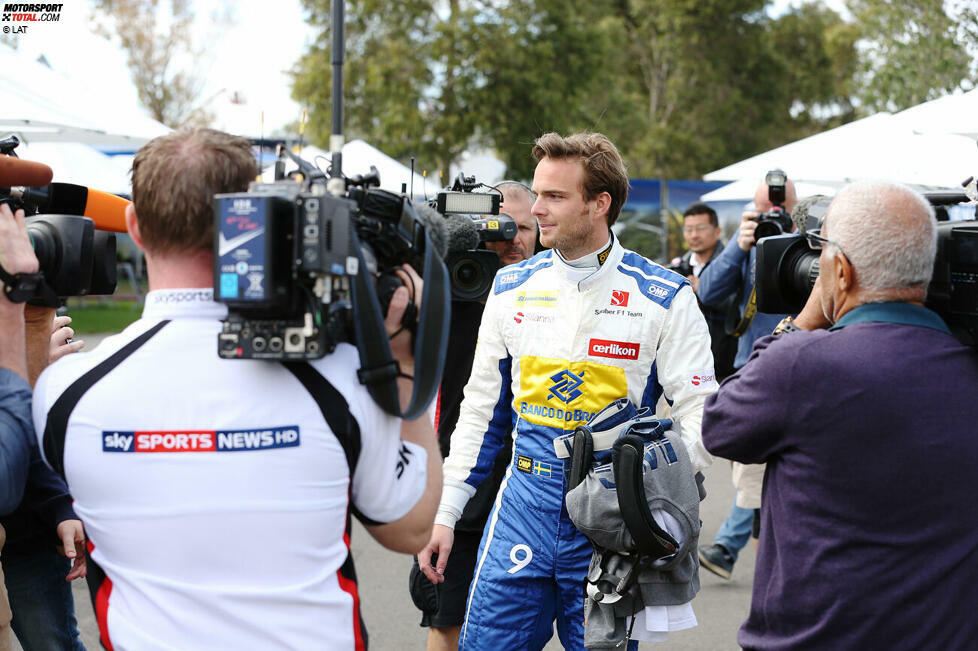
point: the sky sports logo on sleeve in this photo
(613, 349)
(201, 440)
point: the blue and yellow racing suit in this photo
(554, 347)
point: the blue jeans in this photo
(41, 601)
(736, 530)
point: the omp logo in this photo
(703, 378)
(613, 349)
(566, 386)
(542, 378)
(524, 464)
(509, 278)
(619, 298)
(659, 292)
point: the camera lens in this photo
(466, 275)
(766, 229)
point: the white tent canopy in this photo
(743, 190)
(358, 156)
(74, 162)
(878, 147)
(951, 114)
(41, 105)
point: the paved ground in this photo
(392, 620)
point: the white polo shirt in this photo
(213, 492)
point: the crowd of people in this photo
(851, 437)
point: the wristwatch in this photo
(787, 324)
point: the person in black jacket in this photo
(701, 230)
(445, 619)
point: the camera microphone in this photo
(463, 234)
(108, 211)
(809, 212)
(17, 171)
(434, 223)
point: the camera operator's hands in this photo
(748, 224)
(16, 253)
(442, 539)
(60, 339)
(812, 316)
(400, 335)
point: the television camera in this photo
(787, 267)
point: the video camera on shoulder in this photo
(473, 220)
(777, 220)
(303, 268)
(787, 267)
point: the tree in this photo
(915, 51)
(156, 38)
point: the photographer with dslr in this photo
(446, 621)
(701, 231)
(863, 410)
(730, 280)
(217, 494)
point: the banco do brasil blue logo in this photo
(565, 386)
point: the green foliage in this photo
(97, 316)
(915, 50)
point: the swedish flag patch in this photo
(542, 469)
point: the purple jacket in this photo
(869, 519)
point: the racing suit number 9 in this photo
(520, 563)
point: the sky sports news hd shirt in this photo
(214, 493)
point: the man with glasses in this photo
(730, 278)
(701, 230)
(862, 411)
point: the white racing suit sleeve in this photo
(485, 419)
(685, 367)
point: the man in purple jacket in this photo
(863, 408)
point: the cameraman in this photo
(216, 494)
(730, 280)
(446, 621)
(866, 419)
(35, 502)
(701, 231)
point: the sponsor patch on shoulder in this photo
(703, 379)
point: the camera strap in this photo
(22, 287)
(750, 310)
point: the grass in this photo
(101, 315)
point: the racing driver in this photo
(567, 331)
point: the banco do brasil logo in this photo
(566, 385)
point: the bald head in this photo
(762, 203)
(889, 234)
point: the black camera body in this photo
(303, 269)
(777, 220)
(786, 270)
(682, 267)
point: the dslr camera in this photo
(777, 220)
(787, 268)
(303, 268)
